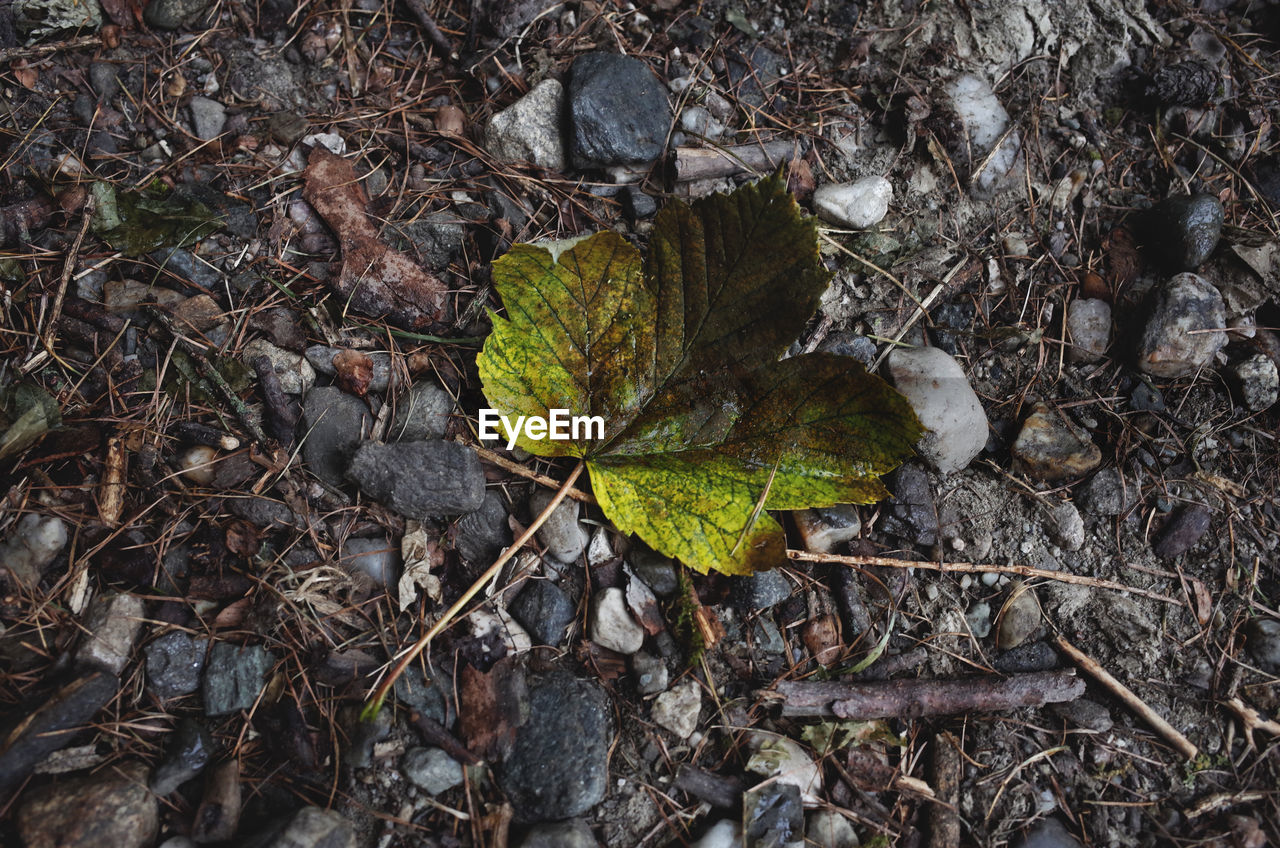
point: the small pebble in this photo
(1263, 641)
(1050, 448)
(1257, 381)
(432, 770)
(174, 663)
(529, 129)
(824, 529)
(32, 547)
(858, 205)
(187, 752)
(196, 464)
(1088, 329)
(1185, 329)
(650, 672)
(677, 708)
(113, 624)
(829, 829)
(725, 833)
(561, 534)
(939, 392)
(1182, 531)
(612, 625)
(1066, 526)
(570, 834)
(295, 372)
(1085, 713)
(378, 559)
(978, 617)
(545, 611)
(1019, 618)
(109, 808)
(760, 591)
(1107, 493)
(1189, 227)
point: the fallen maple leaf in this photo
(704, 425)
(374, 279)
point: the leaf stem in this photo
(408, 655)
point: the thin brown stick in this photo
(1252, 720)
(700, 163)
(68, 268)
(9, 54)
(411, 653)
(915, 698)
(431, 28)
(494, 458)
(946, 774)
(980, 568)
(1132, 701)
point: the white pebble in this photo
(859, 205)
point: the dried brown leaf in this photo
(354, 371)
(373, 279)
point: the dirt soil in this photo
(859, 88)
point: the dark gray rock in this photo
(436, 238)
(637, 205)
(544, 610)
(103, 80)
(288, 127)
(182, 263)
(1084, 713)
(234, 676)
(1184, 331)
(377, 558)
(313, 827)
(44, 729)
(1107, 493)
(760, 591)
(618, 111)
(1263, 640)
(558, 765)
(173, 14)
(431, 770)
(1182, 531)
(773, 815)
(1049, 833)
(570, 834)
(267, 513)
(420, 479)
(422, 414)
(658, 572)
(413, 690)
(186, 754)
(483, 533)
(914, 512)
(208, 117)
(1189, 83)
(1189, 229)
(334, 422)
(1036, 656)
(237, 215)
(112, 807)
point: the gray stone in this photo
(544, 610)
(698, 120)
(1084, 713)
(482, 534)
(112, 807)
(914, 515)
(830, 830)
(113, 624)
(984, 121)
(45, 727)
(561, 535)
(321, 359)
(1088, 329)
(186, 754)
(859, 205)
(725, 833)
(945, 403)
(313, 827)
(772, 815)
(1257, 381)
(415, 692)
(1188, 229)
(40, 19)
(1049, 833)
(1019, 618)
(1034, 656)
(103, 80)
(420, 479)
(182, 263)
(558, 764)
(1263, 640)
(234, 677)
(208, 117)
(618, 111)
(172, 14)
(1182, 531)
(529, 129)
(978, 617)
(218, 815)
(677, 709)
(431, 770)
(295, 372)
(422, 414)
(265, 77)
(658, 572)
(32, 547)
(377, 558)
(1185, 329)
(1066, 527)
(437, 238)
(650, 672)
(570, 834)
(612, 625)
(334, 423)
(1050, 447)
(1107, 493)
(760, 591)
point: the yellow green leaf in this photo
(679, 355)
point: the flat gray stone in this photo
(420, 479)
(234, 677)
(334, 423)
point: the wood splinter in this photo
(915, 698)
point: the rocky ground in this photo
(245, 275)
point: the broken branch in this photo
(915, 698)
